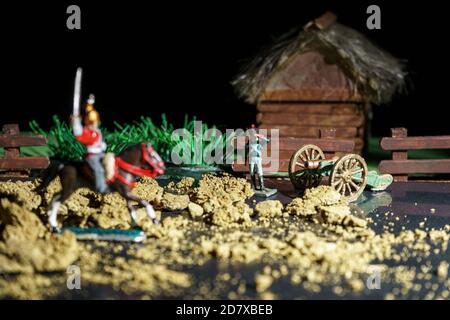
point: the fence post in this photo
(399, 155)
(11, 129)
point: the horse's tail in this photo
(49, 174)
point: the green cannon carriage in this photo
(348, 175)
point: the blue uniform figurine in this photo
(256, 141)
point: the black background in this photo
(146, 58)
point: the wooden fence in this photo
(400, 166)
(12, 165)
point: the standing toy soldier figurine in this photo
(256, 141)
(91, 137)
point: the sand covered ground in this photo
(314, 243)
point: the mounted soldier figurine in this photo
(92, 138)
(138, 160)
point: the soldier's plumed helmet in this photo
(92, 116)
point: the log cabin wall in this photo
(305, 119)
(311, 92)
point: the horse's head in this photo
(152, 159)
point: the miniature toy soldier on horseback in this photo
(137, 160)
(91, 137)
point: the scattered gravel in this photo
(313, 242)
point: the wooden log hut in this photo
(323, 75)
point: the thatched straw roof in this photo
(373, 73)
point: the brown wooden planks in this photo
(287, 154)
(12, 166)
(315, 108)
(265, 119)
(291, 144)
(415, 166)
(400, 167)
(327, 145)
(283, 166)
(16, 141)
(24, 163)
(281, 154)
(12, 153)
(327, 133)
(310, 132)
(308, 95)
(416, 143)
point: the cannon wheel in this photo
(300, 177)
(349, 176)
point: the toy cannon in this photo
(348, 175)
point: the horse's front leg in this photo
(132, 213)
(150, 211)
(148, 207)
(52, 213)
